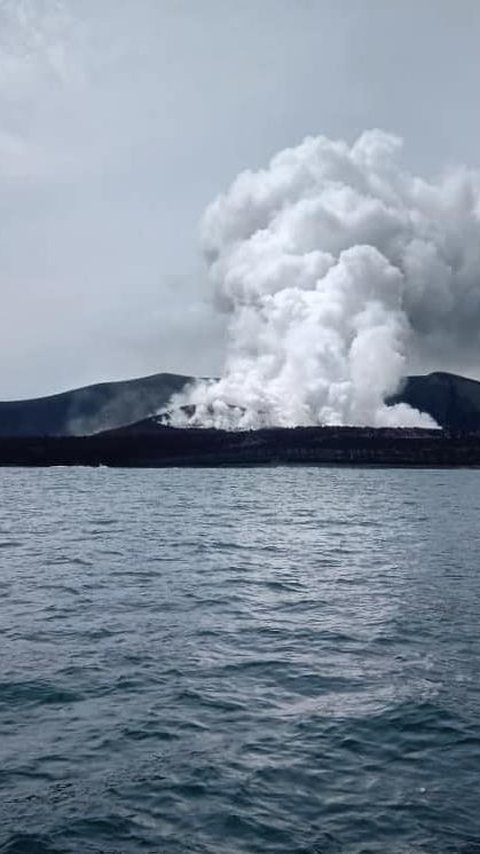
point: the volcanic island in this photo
(117, 424)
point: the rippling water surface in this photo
(254, 660)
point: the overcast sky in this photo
(120, 120)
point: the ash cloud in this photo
(337, 270)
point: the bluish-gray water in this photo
(253, 660)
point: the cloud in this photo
(334, 264)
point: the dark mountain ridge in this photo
(453, 401)
(91, 409)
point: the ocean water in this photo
(250, 660)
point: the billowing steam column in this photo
(335, 266)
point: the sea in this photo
(214, 661)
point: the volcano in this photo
(452, 401)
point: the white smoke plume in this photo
(335, 265)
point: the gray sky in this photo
(120, 120)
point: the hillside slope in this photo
(453, 401)
(91, 409)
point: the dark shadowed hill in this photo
(453, 401)
(91, 409)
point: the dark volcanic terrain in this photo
(150, 444)
(453, 401)
(92, 409)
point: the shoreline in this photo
(149, 445)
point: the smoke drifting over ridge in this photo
(334, 266)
